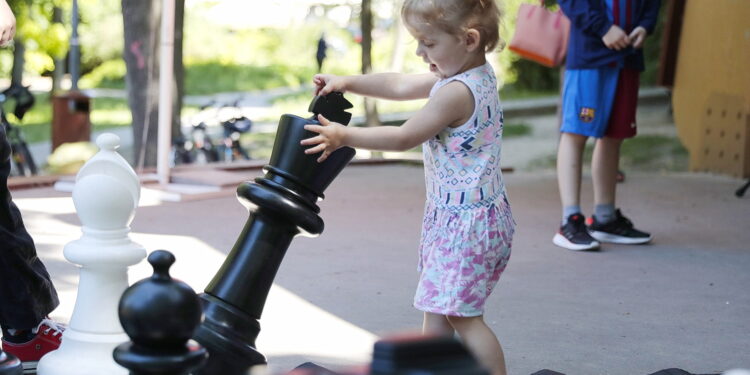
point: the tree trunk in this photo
(142, 20)
(16, 77)
(178, 68)
(59, 72)
(371, 110)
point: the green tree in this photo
(40, 41)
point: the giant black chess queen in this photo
(282, 205)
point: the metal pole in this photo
(166, 70)
(74, 49)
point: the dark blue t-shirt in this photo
(591, 19)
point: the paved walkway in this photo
(679, 302)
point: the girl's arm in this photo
(392, 86)
(452, 105)
(7, 23)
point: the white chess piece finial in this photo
(105, 195)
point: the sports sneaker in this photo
(620, 230)
(47, 337)
(574, 236)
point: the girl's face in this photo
(446, 54)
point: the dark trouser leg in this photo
(26, 291)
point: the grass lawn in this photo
(37, 123)
(646, 152)
(108, 113)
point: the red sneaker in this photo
(48, 338)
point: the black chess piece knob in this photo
(292, 170)
(160, 315)
(332, 106)
(423, 355)
(10, 365)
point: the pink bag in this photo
(541, 35)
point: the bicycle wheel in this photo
(240, 152)
(205, 156)
(179, 155)
(23, 160)
(18, 165)
(30, 164)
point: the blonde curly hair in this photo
(456, 16)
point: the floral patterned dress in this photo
(468, 226)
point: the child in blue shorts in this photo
(600, 95)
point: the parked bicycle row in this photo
(200, 145)
(211, 135)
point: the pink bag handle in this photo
(559, 18)
(558, 14)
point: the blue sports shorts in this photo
(588, 96)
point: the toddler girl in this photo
(467, 227)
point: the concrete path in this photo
(680, 302)
(627, 310)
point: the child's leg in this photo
(436, 324)
(604, 165)
(481, 341)
(609, 225)
(569, 165)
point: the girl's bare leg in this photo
(435, 324)
(481, 341)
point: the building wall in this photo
(711, 93)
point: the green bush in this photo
(651, 52)
(212, 77)
(531, 76)
(110, 74)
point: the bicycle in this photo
(234, 127)
(199, 147)
(23, 162)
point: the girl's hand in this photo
(616, 38)
(328, 83)
(7, 23)
(637, 36)
(330, 137)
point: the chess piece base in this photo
(10, 365)
(83, 353)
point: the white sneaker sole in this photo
(30, 367)
(611, 238)
(563, 242)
